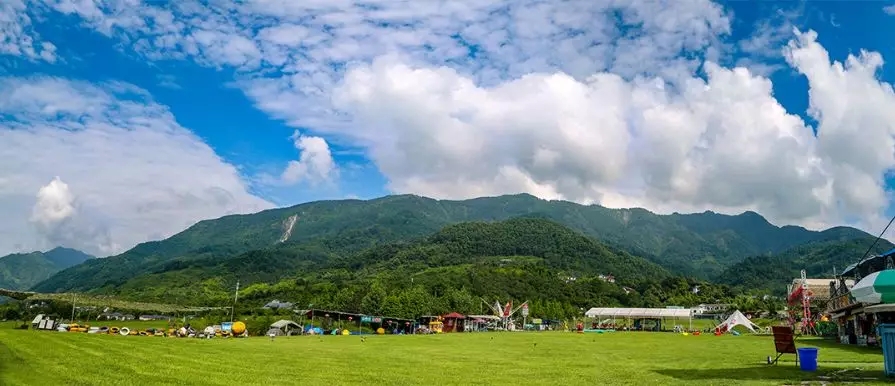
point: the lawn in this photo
(555, 358)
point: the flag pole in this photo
(235, 299)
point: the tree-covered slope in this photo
(773, 273)
(557, 248)
(532, 259)
(700, 244)
(20, 271)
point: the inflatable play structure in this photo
(436, 326)
(735, 319)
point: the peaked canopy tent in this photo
(641, 313)
(284, 327)
(737, 319)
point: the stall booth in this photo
(476, 323)
(454, 322)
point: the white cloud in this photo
(55, 204)
(58, 220)
(315, 163)
(724, 143)
(889, 9)
(130, 172)
(464, 98)
(18, 38)
(762, 51)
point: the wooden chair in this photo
(784, 342)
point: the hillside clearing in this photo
(39, 357)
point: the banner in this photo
(525, 309)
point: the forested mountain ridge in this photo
(20, 271)
(700, 245)
(772, 273)
(452, 269)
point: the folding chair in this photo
(784, 343)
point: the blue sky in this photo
(204, 101)
(421, 100)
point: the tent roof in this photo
(737, 318)
(484, 317)
(454, 315)
(638, 312)
(283, 323)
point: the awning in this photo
(880, 308)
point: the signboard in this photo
(366, 319)
(525, 309)
(226, 326)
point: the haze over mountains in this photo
(285, 242)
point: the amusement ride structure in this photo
(507, 311)
(800, 297)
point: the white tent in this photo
(737, 319)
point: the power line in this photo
(877, 239)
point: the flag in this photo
(508, 309)
(496, 308)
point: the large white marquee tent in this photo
(641, 313)
(670, 313)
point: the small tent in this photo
(288, 327)
(737, 319)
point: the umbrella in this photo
(877, 287)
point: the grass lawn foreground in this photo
(554, 358)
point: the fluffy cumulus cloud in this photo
(103, 167)
(723, 142)
(315, 163)
(622, 103)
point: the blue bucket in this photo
(808, 358)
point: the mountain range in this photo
(21, 271)
(272, 245)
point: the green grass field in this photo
(554, 358)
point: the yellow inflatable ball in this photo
(380, 331)
(238, 328)
(346, 332)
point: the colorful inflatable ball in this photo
(238, 328)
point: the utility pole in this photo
(73, 298)
(235, 299)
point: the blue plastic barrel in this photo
(887, 340)
(808, 358)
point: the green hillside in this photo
(20, 271)
(556, 268)
(699, 245)
(774, 272)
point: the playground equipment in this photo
(801, 296)
(506, 312)
(436, 326)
